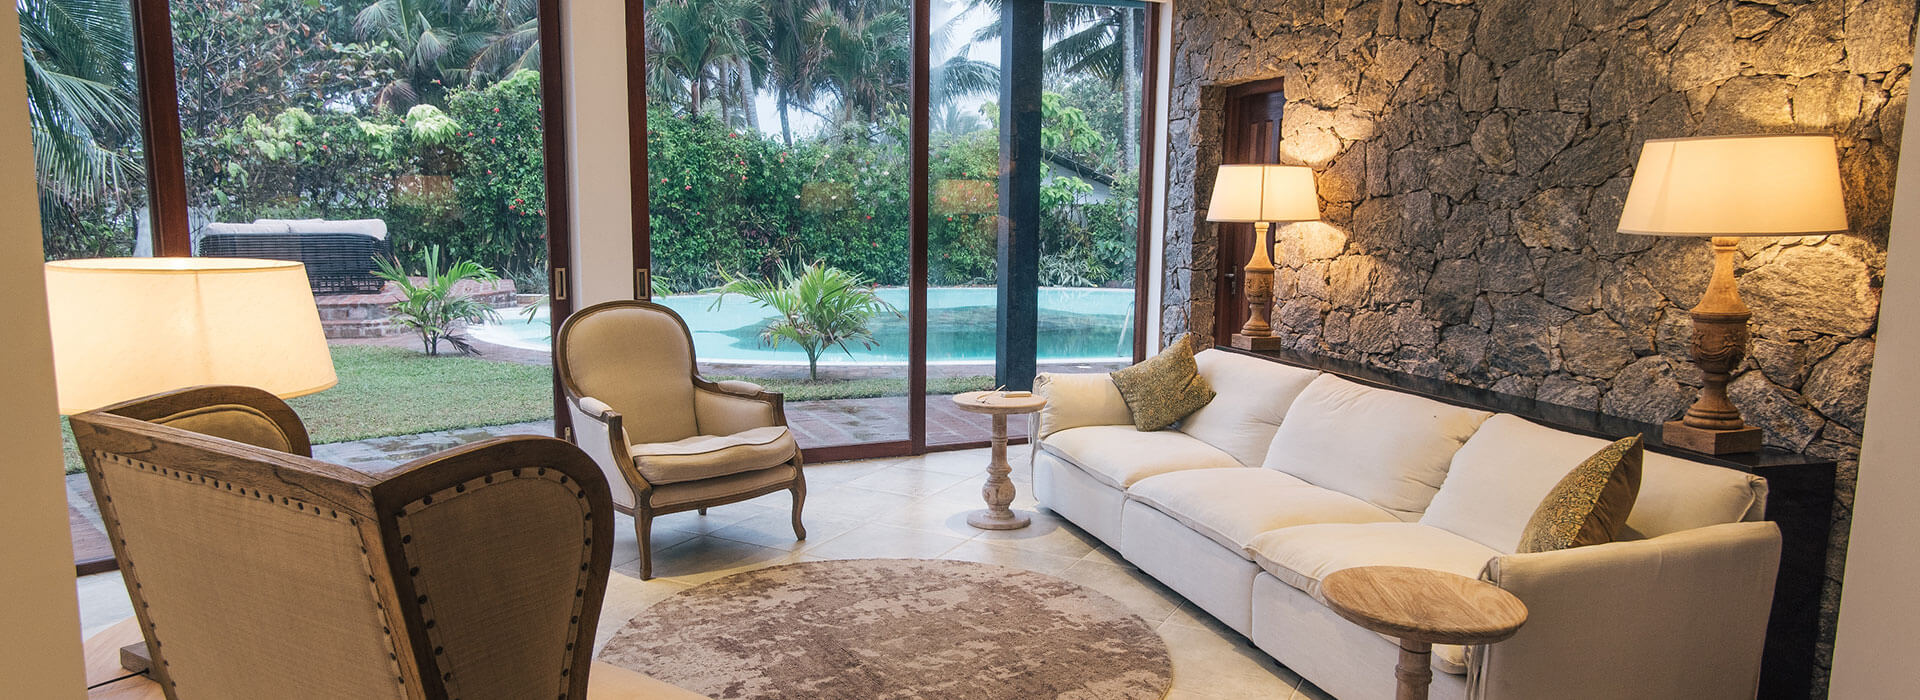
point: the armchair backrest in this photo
(255, 572)
(637, 357)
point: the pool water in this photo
(1076, 324)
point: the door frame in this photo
(920, 88)
(1233, 243)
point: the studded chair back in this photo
(259, 572)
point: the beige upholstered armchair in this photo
(676, 441)
(258, 572)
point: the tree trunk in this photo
(786, 127)
(747, 96)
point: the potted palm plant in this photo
(432, 307)
(819, 307)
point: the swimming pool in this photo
(1076, 324)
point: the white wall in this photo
(39, 617)
(1879, 609)
(596, 71)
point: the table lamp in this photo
(124, 328)
(1262, 195)
(1727, 187)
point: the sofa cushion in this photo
(1303, 556)
(1388, 448)
(1075, 400)
(1253, 396)
(709, 456)
(1500, 475)
(1232, 506)
(1166, 387)
(1590, 504)
(1118, 455)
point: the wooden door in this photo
(1252, 135)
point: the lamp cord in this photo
(116, 680)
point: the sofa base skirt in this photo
(1215, 578)
(1077, 496)
(1348, 662)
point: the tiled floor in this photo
(906, 507)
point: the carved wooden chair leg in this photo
(643, 526)
(799, 499)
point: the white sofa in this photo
(1291, 474)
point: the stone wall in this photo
(1473, 158)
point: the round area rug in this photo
(888, 629)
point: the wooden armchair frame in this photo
(373, 504)
(643, 510)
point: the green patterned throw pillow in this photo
(1165, 388)
(1590, 504)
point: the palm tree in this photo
(442, 43)
(699, 44)
(79, 55)
(434, 309)
(868, 59)
(819, 308)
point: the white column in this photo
(596, 76)
(40, 619)
(1876, 644)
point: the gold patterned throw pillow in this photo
(1590, 504)
(1165, 388)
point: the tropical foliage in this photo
(817, 308)
(435, 307)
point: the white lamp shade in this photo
(1250, 193)
(124, 328)
(1736, 186)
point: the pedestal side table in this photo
(1421, 608)
(998, 491)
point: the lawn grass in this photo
(387, 391)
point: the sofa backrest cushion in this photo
(1500, 475)
(1078, 400)
(1251, 398)
(1385, 447)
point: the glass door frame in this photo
(919, 141)
(164, 150)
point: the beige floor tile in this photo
(961, 462)
(626, 597)
(1107, 555)
(775, 530)
(842, 472)
(853, 502)
(1048, 534)
(967, 492)
(103, 601)
(874, 540)
(1139, 592)
(907, 480)
(932, 516)
(989, 552)
(705, 558)
(1224, 665)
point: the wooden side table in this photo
(102, 652)
(998, 491)
(1421, 608)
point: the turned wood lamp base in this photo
(1257, 342)
(1713, 442)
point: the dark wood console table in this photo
(1799, 501)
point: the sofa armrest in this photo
(1680, 615)
(1077, 400)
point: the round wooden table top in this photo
(102, 652)
(998, 402)
(1423, 605)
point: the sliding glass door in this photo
(823, 188)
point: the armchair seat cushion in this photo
(709, 456)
